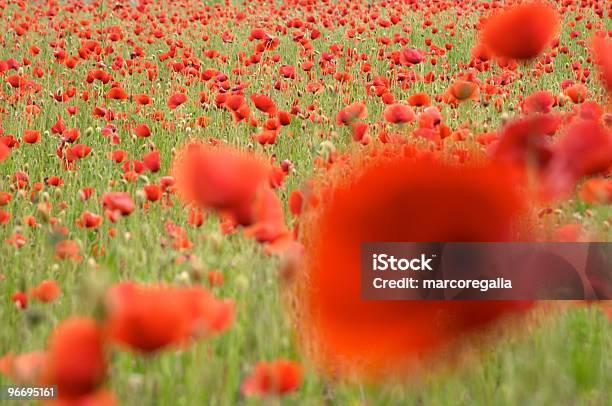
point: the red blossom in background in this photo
(151, 318)
(602, 48)
(522, 31)
(273, 379)
(4, 151)
(220, 178)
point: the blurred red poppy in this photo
(76, 360)
(151, 318)
(602, 48)
(521, 31)
(398, 114)
(352, 112)
(391, 197)
(4, 151)
(273, 378)
(46, 291)
(220, 178)
(538, 102)
(176, 100)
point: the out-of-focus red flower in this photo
(538, 102)
(4, 151)
(597, 191)
(524, 140)
(602, 48)
(584, 149)
(392, 197)
(118, 202)
(419, 100)
(67, 249)
(463, 90)
(522, 31)
(142, 131)
(268, 217)
(5, 198)
(46, 291)
(89, 220)
(20, 299)
(577, 92)
(23, 368)
(153, 192)
(146, 318)
(398, 113)
(31, 136)
(568, 233)
(352, 112)
(220, 178)
(77, 151)
(296, 199)
(152, 161)
(273, 378)
(117, 93)
(76, 359)
(263, 103)
(151, 318)
(176, 100)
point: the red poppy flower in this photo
(76, 360)
(273, 378)
(146, 319)
(46, 291)
(524, 140)
(67, 249)
(150, 318)
(5, 198)
(31, 136)
(220, 178)
(152, 192)
(391, 197)
(464, 90)
(268, 217)
(598, 191)
(577, 93)
(584, 149)
(118, 155)
(152, 161)
(78, 151)
(538, 102)
(118, 201)
(23, 368)
(142, 131)
(117, 93)
(398, 114)
(263, 103)
(419, 100)
(176, 100)
(4, 151)
(20, 299)
(602, 49)
(89, 220)
(352, 112)
(522, 31)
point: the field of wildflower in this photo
(185, 185)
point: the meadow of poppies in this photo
(185, 187)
